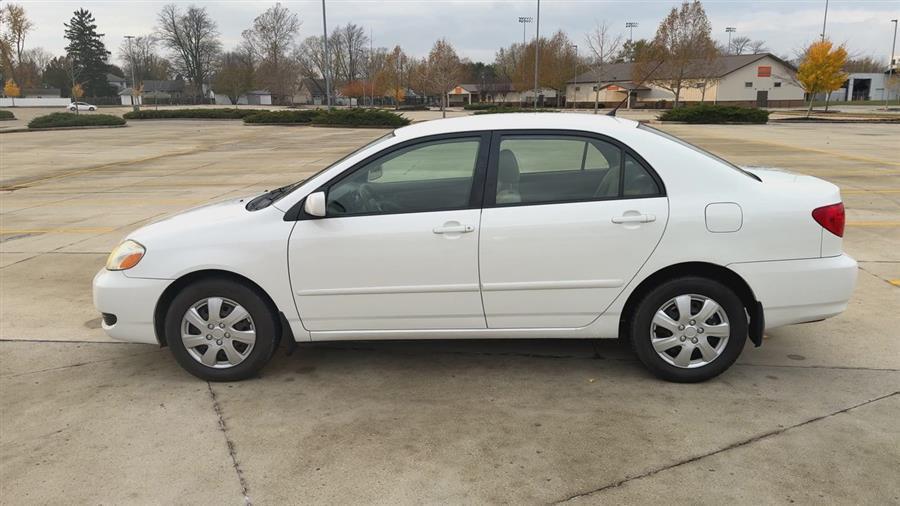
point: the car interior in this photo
(530, 170)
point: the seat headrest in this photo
(508, 167)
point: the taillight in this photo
(831, 218)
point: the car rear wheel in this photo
(92, 108)
(221, 330)
(689, 329)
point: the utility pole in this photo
(327, 58)
(575, 86)
(891, 66)
(537, 52)
(730, 30)
(134, 105)
(825, 20)
(524, 20)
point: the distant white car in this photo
(81, 106)
(496, 226)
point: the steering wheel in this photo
(368, 199)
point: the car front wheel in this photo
(221, 330)
(92, 108)
(689, 329)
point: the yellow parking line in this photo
(873, 223)
(871, 191)
(58, 230)
(895, 282)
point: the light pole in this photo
(134, 105)
(631, 25)
(524, 20)
(824, 20)
(537, 52)
(327, 58)
(730, 30)
(575, 86)
(891, 66)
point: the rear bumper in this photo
(132, 302)
(798, 291)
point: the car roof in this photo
(518, 121)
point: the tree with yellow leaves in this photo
(821, 70)
(77, 92)
(11, 90)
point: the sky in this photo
(477, 28)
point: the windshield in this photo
(688, 145)
(270, 197)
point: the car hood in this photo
(228, 214)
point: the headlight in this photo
(125, 256)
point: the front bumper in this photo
(132, 301)
(798, 291)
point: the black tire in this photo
(642, 318)
(91, 109)
(264, 318)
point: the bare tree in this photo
(604, 48)
(444, 70)
(310, 57)
(683, 44)
(139, 58)
(14, 26)
(739, 45)
(349, 43)
(269, 40)
(235, 75)
(193, 39)
(757, 46)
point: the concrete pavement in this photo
(808, 418)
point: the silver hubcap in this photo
(689, 331)
(218, 332)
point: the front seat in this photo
(508, 178)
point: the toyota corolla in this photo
(495, 226)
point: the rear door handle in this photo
(454, 229)
(634, 218)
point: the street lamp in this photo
(891, 66)
(730, 30)
(129, 38)
(824, 20)
(327, 58)
(575, 86)
(537, 53)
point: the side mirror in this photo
(315, 204)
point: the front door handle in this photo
(453, 228)
(634, 218)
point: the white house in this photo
(868, 86)
(761, 80)
(497, 93)
(255, 97)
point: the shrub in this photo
(67, 119)
(4, 114)
(223, 113)
(341, 117)
(480, 107)
(503, 110)
(711, 113)
(360, 117)
(411, 107)
(292, 117)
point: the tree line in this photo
(186, 43)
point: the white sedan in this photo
(81, 106)
(495, 226)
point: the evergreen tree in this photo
(89, 54)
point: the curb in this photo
(50, 129)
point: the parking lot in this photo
(809, 417)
